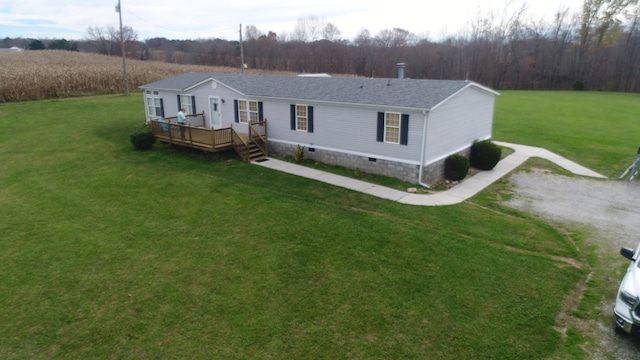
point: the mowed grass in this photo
(107, 252)
(596, 129)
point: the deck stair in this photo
(250, 152)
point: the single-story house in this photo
(403, 128)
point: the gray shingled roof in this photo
(409, 93)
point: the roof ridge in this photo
(421, 94)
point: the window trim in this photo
(381, 132)
(302, 118)
(294, 118)
(389, 127)
(188, 102)
(150, 99)
(245, 114)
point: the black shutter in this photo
(179, 104)
(310, 119)
(260, 112)
(404, 129)
(380, 135)
(293, 117)
(161, 107)
(235, 108)
(193, 104)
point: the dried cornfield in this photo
(46, 74)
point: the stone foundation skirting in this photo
(431, 175)
(434, 172)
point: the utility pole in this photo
(241, 53)
(124, 63)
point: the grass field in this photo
(598, 130)
(112, 253)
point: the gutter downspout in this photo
(424, 146)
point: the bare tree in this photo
(502, 48)
(495, 39)
(562, 31)
(300, 31)
(330, 32)
(629, 57)
(251, 32)
(363, 53)
(314, 28)
(99, 40)
(394, 38)
(106, 41)
(130, 38)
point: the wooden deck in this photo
(250, 147)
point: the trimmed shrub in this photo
(485, 155)
(456, 167)
(578, 85)
(142, 139)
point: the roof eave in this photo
(198, 84)
(484, 88)
(144, 87)
(191, 87)
(469, 84)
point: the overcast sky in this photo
(195, 19)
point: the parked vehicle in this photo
(627, 309)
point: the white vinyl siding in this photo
(345, 128)
(457, 123)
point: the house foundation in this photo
(431, 174)
(398, 170)
(434, 172)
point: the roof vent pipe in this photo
(400, 70)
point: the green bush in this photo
(578, 85)
(456, 167)
(142, 139)
(485, 155)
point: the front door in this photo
(216, 120)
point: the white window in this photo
(392, 127)
(154, 104)
(302, 118)
(186, 103)
(247, 111)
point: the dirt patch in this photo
(610, 209)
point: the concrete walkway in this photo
(455, 195)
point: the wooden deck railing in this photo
(197, 120)
(248, 146)
(197, 137)
(258, 134)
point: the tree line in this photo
(597, 48)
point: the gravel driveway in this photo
(612, 210)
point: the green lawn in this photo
(107, 252)
(597, 129)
